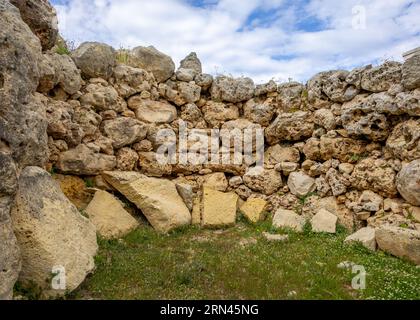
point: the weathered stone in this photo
(262, 180)
(408, 182)
(51, 232)
(218, 208)
(278, 154)
(127, 159)
(129, 81)
(291, 96)
(408, 102)
(186, 192)
(103, 98)
(216, 181)
(370, 201)
(151, 166)
(192, 62)
(325, 118)
(109, 217)
(74, 188)
(400, 242)
(290, 127)
(83, 161)
(375, 175)
(41, 17)
(158, 199)
(404, 141)
(56, 69)
(337, 182)
(232, 90)
(154, 61)
(124, 131)
(156, 112)
(185, 75)
(301, 184)
(365, 236)
(253, 209)
(204, 81)
(95, 60)
(324, 221)
(288, 219)
(382, 77)
(216, 113)
(259, 112)
(411, 73)
(266, 88)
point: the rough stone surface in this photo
(408, 182)
(218, 208)
(154, 61)
(301, 184)
(109, 217)
(83, 161)
(51, 232)
(289, 127)
(265, 181)
(365, 236)
(41, 17)
(404, 141)
(158, 199)
(253, 209)
(156, 112)
(411, 73)
(232, 90)
(95, 60)
(124, 131)
(324, 221)
(275, 237)
(400, 242)
(288, 219)
(382, 77)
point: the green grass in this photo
(202, 264)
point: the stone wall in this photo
(346, 143)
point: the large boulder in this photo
(404, 141)
(217, 113)
(51, 233)
(156, 112)
(95, 60)
(400, 242)
(23, 137)
(291, 96)
(154, 61)
(129, 81)
(408, 182)
(232, 90)
(411, 73)
(375, 175)
(263, 180)
(102, 97)
(261, 112)
(10, 262)
(158, 199)
(83, 161)
(290, 127)
(109, 217)
(218, 208)
(124, 131)
(41, 17)
(381, 78)
(191, 62)
(56, 69)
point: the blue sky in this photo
(263, 39)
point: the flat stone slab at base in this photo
(218, 208)
(253, 209)
(158, 199)
(288, 219)
(365, 236)
(324, 221)
(400, 242)
(109, 217)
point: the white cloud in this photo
(226, 40)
